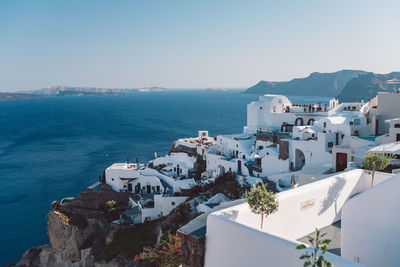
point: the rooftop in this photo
(333, 233)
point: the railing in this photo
(272, 136)
(395, 162)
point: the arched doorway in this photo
(310, 122)
(300, 160)
(298, 122)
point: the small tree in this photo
(261, 201)
(110, 205)
(316, 258)
(376, 162)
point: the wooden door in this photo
(341, 161)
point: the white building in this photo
(282, 137)
(342, 205)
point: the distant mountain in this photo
(316, 84)
(70, 90)
(15, 96)
(367, 86)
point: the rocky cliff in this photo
(79, 229)
(81, 232)
(367, 86)
(316, 84)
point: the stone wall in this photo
(193, 250)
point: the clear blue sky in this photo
(186, 44)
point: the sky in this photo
(191, 44)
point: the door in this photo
(130, 187)
(239, 167)
(137, 188)
(397, 137)
(341, 161)
(377, 127)
(337, 138)
(148, 189)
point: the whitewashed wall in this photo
(370, 226)
(162, 206)
(233, 244)
(301, 210)
(113, 177)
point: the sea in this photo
(54, 147)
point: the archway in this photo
(300, 160)
(298, 122)
(310, 122)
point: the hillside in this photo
(316, 84)
(15, 96)
(71, 90)
(367, 86)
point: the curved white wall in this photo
(370, 225)
(234, 237)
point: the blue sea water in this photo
(55, 147)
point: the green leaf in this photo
(302, 246)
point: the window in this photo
(260, 107)
(173, 203)
(260, 147)
(397, 125)
(244, 156)
(124, 185)
(174, 169)
(112, 179)
(330, 144)
(324, 124)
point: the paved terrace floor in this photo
(333, 233)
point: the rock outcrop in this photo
(78, 229)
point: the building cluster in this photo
(286, 143)
(318, 155)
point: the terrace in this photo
(343, 205)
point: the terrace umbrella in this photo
(394, 81)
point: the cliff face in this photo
(316, 84)
(81, 233)
(78, 230)
(367, 86)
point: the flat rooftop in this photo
(333, 233)
(197, 227)
(124, 166)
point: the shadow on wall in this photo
(232, 214)
(333, 194)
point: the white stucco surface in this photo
(370, 226)
(232, 232)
